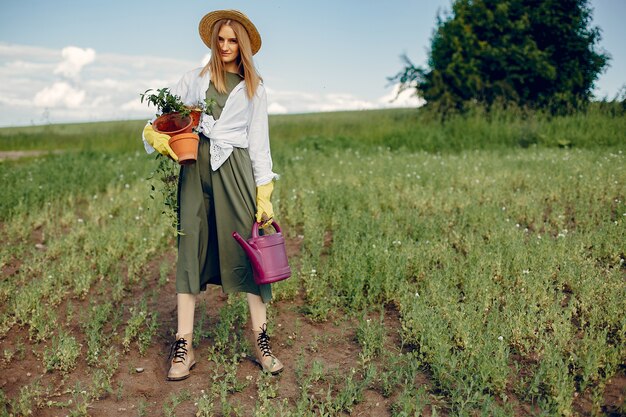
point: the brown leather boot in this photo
(263, 353)
(183, 359)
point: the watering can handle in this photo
(255, 228)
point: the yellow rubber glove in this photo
(264, 210)
(158, 141)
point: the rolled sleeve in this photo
(259, 139)
(149, 149)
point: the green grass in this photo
(500, 241)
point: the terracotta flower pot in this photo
(195, 117)
(185, 146)
(173, 124)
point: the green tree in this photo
(535, 53)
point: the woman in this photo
(228, 187)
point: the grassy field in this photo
(475, 267)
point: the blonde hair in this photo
(245, 64)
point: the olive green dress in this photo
(212, 205)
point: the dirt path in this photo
(295, 339)
(334, 346)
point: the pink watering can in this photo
(267, 255)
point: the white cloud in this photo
(136, 106)
(276, 108)
(406, 98)
(84, 88)
(29, 53)
(60, 94)
(15, 101)
(74, 59)
(304, 102)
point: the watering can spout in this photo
(253, 253)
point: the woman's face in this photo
(229, 47)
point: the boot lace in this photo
(179, 350)
(264, 341)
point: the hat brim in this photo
(208, 21)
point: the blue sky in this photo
(70, 60)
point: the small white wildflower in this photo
(110, 216)
(417, 294)
(526, 271)
(136, 217)
(500, 338)
(80, 220)
(126, 186)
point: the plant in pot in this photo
(175, 121)
(164, 179)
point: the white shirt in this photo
(242, 124)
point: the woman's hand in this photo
(264, 209)
(158, 141)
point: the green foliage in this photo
(528, 52)
(165, 181)
(93, 327)
(174, 400)
(45, 180)
(491, 256)
(4, 402)
(497, 240)
(165, 101)
(62, 353)
(141, 327)
(27, 401)
(371, 336)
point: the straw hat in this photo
(209, 19)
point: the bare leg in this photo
(186, 306)
(258, 311)
(183, 359)
(259, 337)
